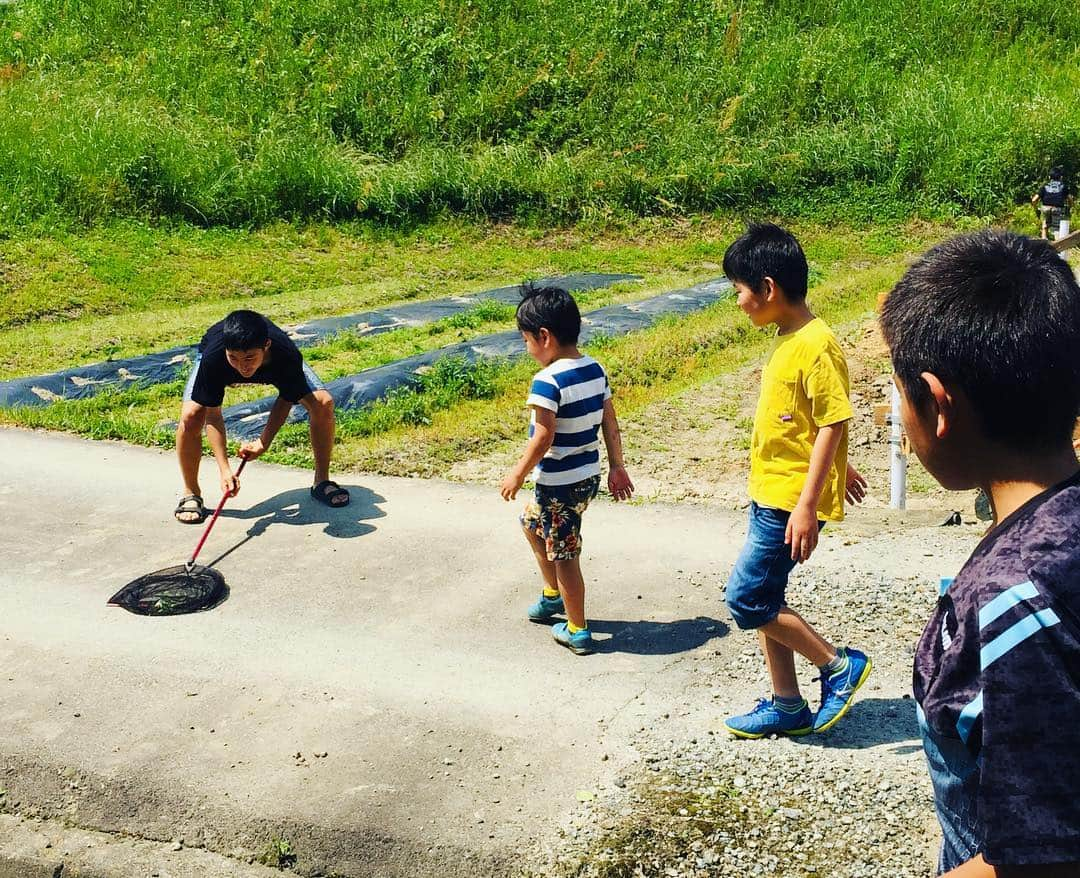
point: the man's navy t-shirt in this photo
(997, 681)
(1054, 193)
(285, 369)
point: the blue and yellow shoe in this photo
(838, 690)
(767, 719)
(546, 609)
(579, 643)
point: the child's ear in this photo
(770, 289)
(543, 336)
(944, 405)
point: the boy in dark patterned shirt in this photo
(984, 332)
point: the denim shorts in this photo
(954, 774)
(554, 515)
(757, 585)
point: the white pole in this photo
(897, 458)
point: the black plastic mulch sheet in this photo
(355, 391)
(86, 381)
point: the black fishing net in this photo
(173, 591)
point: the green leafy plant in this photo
(278, 853)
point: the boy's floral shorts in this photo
(555, 513)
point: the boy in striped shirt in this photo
(571, 403)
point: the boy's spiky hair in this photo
(766, 250)
(245, 331)
(551, 308)
(998, 315)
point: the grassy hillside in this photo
(457, 414)
(239, 112)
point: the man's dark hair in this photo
(998, 315)
(1057, 173)
(551, 308)
(244, 331)
(766, 250)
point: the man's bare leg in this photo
(320, 409)
(189, 432)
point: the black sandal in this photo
(190, 503)
(327, 492)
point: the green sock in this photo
(838, 664)
(789, 705)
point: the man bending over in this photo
(246, 348)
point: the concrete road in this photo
(370, 691)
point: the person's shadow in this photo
(656, 638)
(298, 507)
(872, 722)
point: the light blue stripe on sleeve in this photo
(968, 715)
(1016, 635)
(1005, 601)
(943, 585)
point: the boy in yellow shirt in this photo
(799, 477)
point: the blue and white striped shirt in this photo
(576, 391)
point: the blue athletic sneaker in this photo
(580, 643)
(545, 609)
(767, 719)
(837, 690)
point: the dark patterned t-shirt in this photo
(997, 681)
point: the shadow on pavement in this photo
(872, 722)
(656, 638)
(298, 507)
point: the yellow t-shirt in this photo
(804, 387)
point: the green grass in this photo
(239, 113)
(645, 368)
(130, 288)
(350, 352)
(458, 412)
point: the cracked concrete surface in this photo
(370, 690)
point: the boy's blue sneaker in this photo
(579, 643)
(767, 719)
(838, 690)
(545, 609)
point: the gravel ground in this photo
(853, 803)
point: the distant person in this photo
(571, 404)
(246, 348)
(799, 476)
(983, 332)
(1052, 202)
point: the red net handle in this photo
(213, 518)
